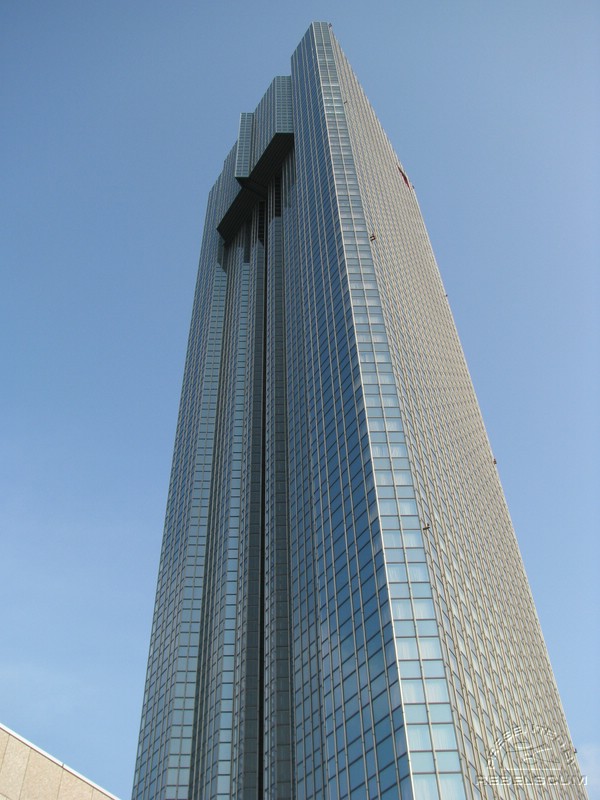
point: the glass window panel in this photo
(440, 713)
(398, 590)
(415, 713)
(411, 523)
(356, 774)
(418, 737)
(396, 573)
(404, 627)
(406, 789)
(393, 426)
(385, 751)
(426, 787)
(443, 737)
(415, 554)
(384, 477)
(380, 706)
(421, 590)
(401, 609)
(394, 555)
(452, 787)
(427, 627)
(407, 649)
(422, 762)
(413, 539)
(412, 691)
(379, 450)
(437, 691)
(433, 669)
(424, 609)
(448, 761)
(407, 507)
(418, 572)
(410, 669)
(430, 648)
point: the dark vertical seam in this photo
(261, 626)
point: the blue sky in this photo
(116, 119)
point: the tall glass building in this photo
(342, 610)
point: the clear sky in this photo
(116, 118)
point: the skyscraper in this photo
(342, 610)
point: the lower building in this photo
(28, 773)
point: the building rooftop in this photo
(29, 773)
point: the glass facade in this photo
(342, 611)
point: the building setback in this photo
(342, 609)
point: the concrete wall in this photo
(27, 773)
